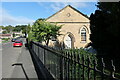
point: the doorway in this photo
(68, 42)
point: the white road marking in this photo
(1, 49)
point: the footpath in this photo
(27, 72)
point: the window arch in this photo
(83, 35)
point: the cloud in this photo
(8, 19)
(56, 6)
(52, 0)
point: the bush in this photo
(76, 68)
(5, 39)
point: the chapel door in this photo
(68, 42)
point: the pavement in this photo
(0, 60)
(21, 55)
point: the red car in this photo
(17, 43)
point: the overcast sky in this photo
(15, 13)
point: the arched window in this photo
(83, 35)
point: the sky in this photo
(21, 13)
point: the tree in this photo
(28, 28)
(18, 28)
(44, 31)
(13, 34)
(8, 28)
(1, 26)
(105, 30)
(4, 32)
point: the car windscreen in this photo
(17, 42)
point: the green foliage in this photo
(4, 32)
(13, 34)
(82, 53)
(44, 31)
(30, 37)
(5, 39)
(105, 28)
(76, 67)
(28, 28)
(18, 28)
(2, 27)
(8, 28)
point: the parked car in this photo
(13, 40)
(90, 49)
(17, 43)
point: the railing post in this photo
(67, 65)
(79, 66)
(61, 68)
(72, 65)
(112, 70)
(103, 66)
(33, 47)
(88, 60)
(38, 51)
(75, 65)
(68, 56)
(94, 63)
(83, 76)
(44, 57)
(64, 66)
(30, 45)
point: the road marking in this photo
(21, 50)
(1, 49)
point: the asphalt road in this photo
(12, 55)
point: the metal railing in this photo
(72, 65)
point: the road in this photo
(12, 55)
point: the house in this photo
(75, 30)
(0, 35)
(17, 34)
(1, 30)
(6, 35)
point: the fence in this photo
(72, 65)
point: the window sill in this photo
(83, 42)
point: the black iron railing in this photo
(72, 65)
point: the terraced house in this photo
(76, 27)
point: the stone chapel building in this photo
(76, 27)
